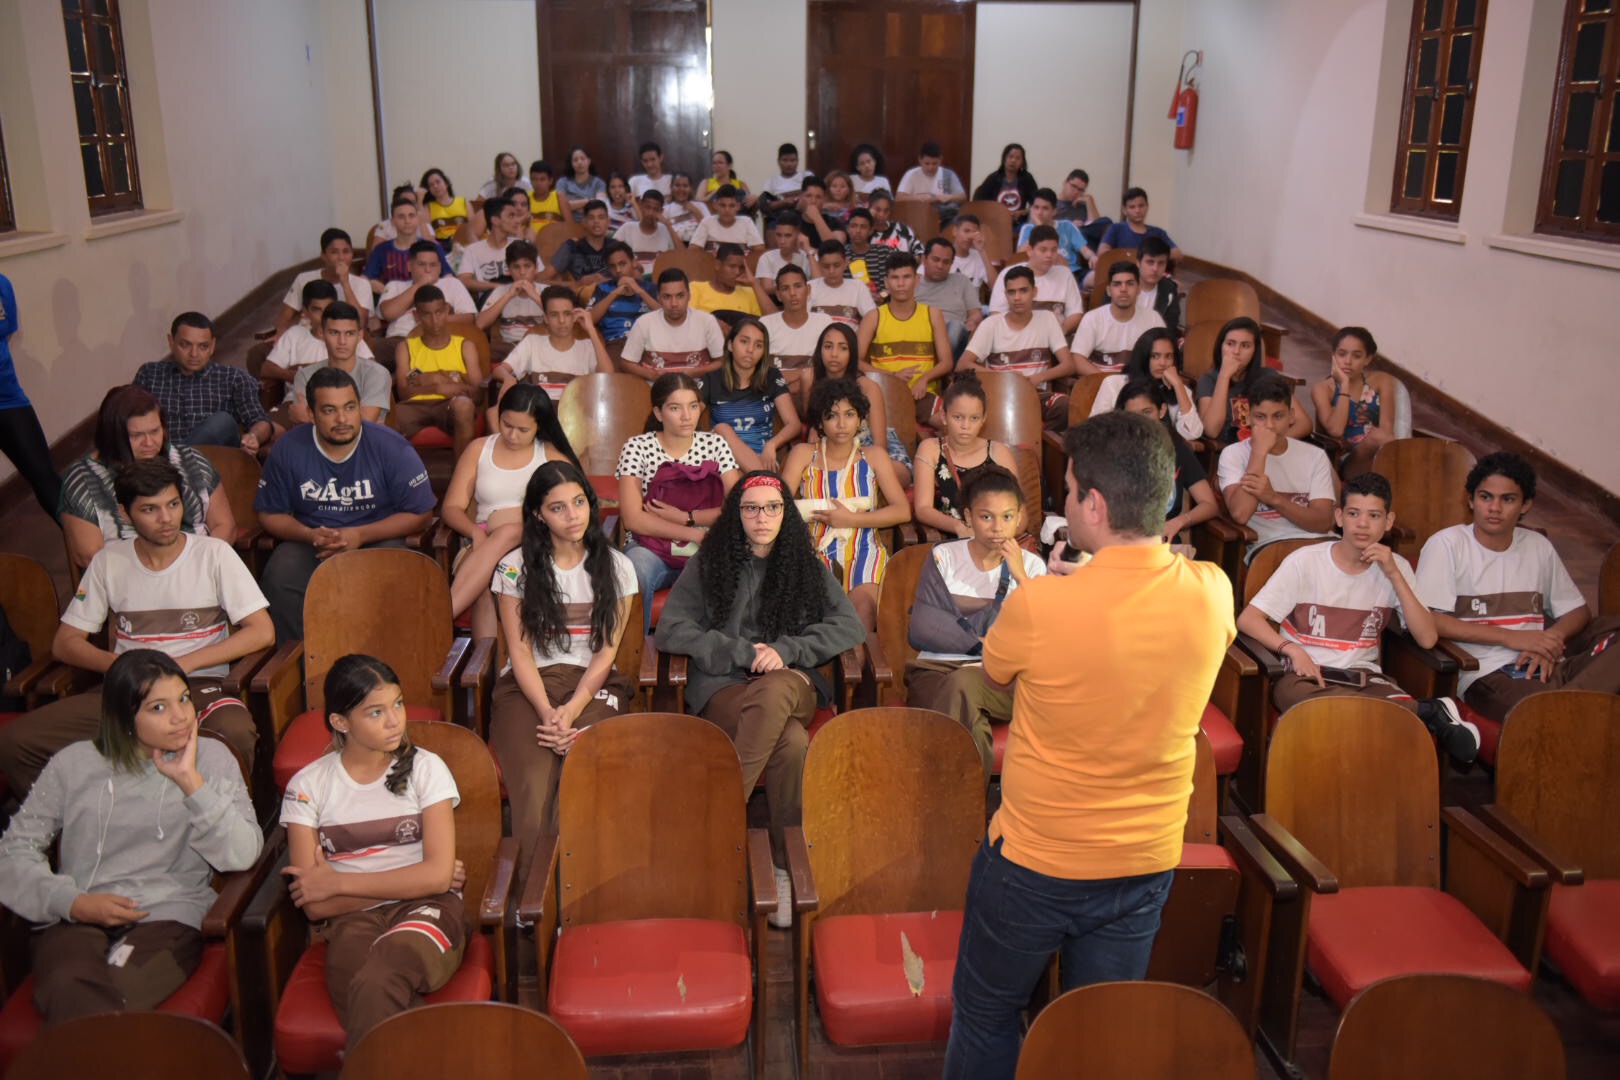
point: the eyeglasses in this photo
(754, 510)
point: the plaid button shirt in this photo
(188, 400)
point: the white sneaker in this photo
(782, 917)
(1458, 737)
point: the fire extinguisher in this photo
(1184, 105)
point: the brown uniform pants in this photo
(31, 740)
(1292, 689)
(963, 692)
(80, 969)
(379, 962)
(531, 771)
(1591, 662)
(768, 718)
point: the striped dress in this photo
(859, 551)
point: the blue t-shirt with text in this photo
(1120, 235)
(383, 476)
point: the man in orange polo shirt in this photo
(1099, 763)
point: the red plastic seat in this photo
(1361, 935)
(998, 743)
(306, 739)
(1224, 740)
(1583, 939)
(436, 438)
(1206, 857)
(861, 986)
(205, 995)
(1490, 731)
(309, 1038)
(652, 985)
(658, 605)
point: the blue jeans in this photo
(216, 429)
(652, 574)
(1015, 920)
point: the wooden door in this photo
(617, 73)
(893, 73)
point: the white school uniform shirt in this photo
(1187, 424)
(641, 183)
(295, 292)
(516, 318)
(971, 266)
(771, 263)
(866, 187)
(1055, 291)
(1102, 339)
(455, 294)
(1301, 474)
(846, 304)
(917, 182)
(536, 359)
(647, 247)
(972, 587)
(1029, 351)
(1338, 618)
(574, 592)
(794, 349)
(781, 186)
(711, 234)
(1525, 587)
(662, 346)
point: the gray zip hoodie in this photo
(133, 834)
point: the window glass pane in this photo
(1608, 207)
(1588, 62)
(1445, 176)
(93, 185)
(1416, 161)
(1428, 62)
(112, 113)
(1434, 12)
(1567, 188)
(118, 165)
(1465, 13)
(106, 55)
(1578, 126)
(77, 64)
(1595, 6)
(1422, 113)
(85, 109)
(1451, 122)
(1462, 48)
(96, 7)
(70, 7)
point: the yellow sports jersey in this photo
(903, 347)
(447, 220)
(708, 298)
(545, 211)
(434, 360)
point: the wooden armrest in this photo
(480, 663)
(1437, 659)
(23, 683)
(1267, 660)
(542, 871)
(1228, 531)
(761, 872)
(804, 882)
(1515, 864)
(882, 670)
(909, 534)
(677, 669)
(445, 677)
(440, 541)
(237, 679)
(1564, 871)
(1465, 660)
(1332, 445)
(1295, 858)
(264, 335)
(285, 656)
(246, 539)
(648, 675)
(422, 539)
(271, 894)
(238, 887)
(1239, 662)
(1254, 860)
(1281, 331)
(498, 890)
(1402, 533)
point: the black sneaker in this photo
(1456, 736)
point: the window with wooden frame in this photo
(95, 44)
(1580, 183)
(1437, 111)
(8, 217)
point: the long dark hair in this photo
(762, 370)
(533, 400)
(449, 189)
(123, 688)
(1257, 365)
(854, 369)
(349, 681)
(545, 623)
(664, 388)
(794, 576)
(1139, 366)
(121, 405)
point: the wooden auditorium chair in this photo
(132, 1046)
(32, 608)
(648, 907)
(1353, 814)
(554, 236)
(996, 225)
(239, 482)
(308, 1037)
(469, 1040)
(922, 217)
(599, 412)
(1136, 1031)
(1428, 478)
(1054, 459)
(1218, 300)
(698, 264)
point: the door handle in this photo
(811, 139)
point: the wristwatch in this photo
(691, 522)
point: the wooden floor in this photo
(1592, 1040)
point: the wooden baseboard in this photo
(1485, 434)
(78, 439)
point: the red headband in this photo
(763, 480)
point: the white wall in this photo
(758, 48)
(1068, 109)
(1285, 166)
(230, 122)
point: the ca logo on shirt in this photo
(1478, 606)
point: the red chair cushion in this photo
(436, 438)
(1224, 740)
(861, 987)
(306, 739)
(998, 743)
(204, 995)
(309, 1038)
(1205, 857)
(1583, 939)
(1361, 935)
(1490, 731)
(658, 605)
(652, 985)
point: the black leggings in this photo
(23, 441)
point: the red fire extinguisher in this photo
(1184, 105)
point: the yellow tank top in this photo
(445, 359)
(904, 347)
(447, 219)
(545, 211)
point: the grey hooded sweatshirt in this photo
(132, 834)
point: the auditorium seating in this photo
(239, 483)
(1136, 1031)
(133, 1046)
(1428, 478)
(599, 413)
(28, 597)
(1000, 233)
(484, 1040)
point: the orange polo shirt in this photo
(1099, 761)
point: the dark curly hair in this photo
(545, 623)
(1503, 463)
(794, 576)
(829, 392)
